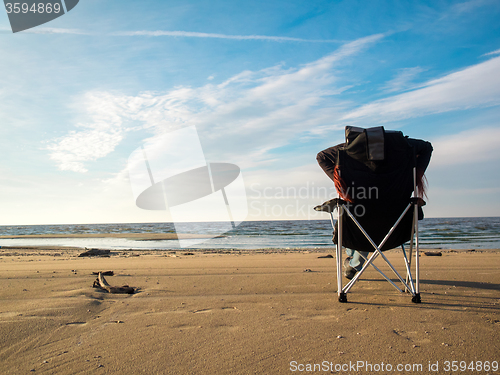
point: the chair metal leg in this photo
(416, 298)
(409, 277)
(410, 254)
(411, 284)
(378, 251)
(342, 297)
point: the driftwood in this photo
(433, 253)
(96, 253)
(105, 273)
(101, 283)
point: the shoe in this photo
(349, 271)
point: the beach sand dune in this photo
(240, 314)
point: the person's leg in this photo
(354, 262)
(349, 252)
(357, 260)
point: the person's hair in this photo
(421, 184)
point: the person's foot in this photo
(349, 271)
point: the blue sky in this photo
(267, 84)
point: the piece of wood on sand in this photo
(104, 273)
(433, 253)
(101, 283)
(95, 253)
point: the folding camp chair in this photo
(376, 174)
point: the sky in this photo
(266, 84)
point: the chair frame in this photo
(411, 284)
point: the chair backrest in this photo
(377, 170)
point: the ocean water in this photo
(443, 233)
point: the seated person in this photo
(327, 159)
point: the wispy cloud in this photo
(97, 137)
(244, 117)
(472, 87)
(49, 30)
(178, 34)
(497, 52)
(54, 30)
(470, 146)
(403, 79)
(191, 34)
(468, 6)
(73, 150)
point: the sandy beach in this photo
(242, 313)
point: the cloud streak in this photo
(496, 52)
(473, 87)
(191, 34)
(402, 80)
(49, 30)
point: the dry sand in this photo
(240, 314)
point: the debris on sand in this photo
(95, 253)
(433, 253)
(101, 283)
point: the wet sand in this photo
(131, 236)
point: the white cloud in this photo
(466, 10)
(244, 117)
(55, 30)
(467, 147)
(469, 6)
(98, 138)
(191, 34)
(403, 78)
(72, 150)
(497, 52)
(473, 87)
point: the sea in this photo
(434, 233)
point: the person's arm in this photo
(327, 160)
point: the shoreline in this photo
(132, 236)
(74, 251)
(447, 233)
(143, 238)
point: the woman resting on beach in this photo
(327, 159)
